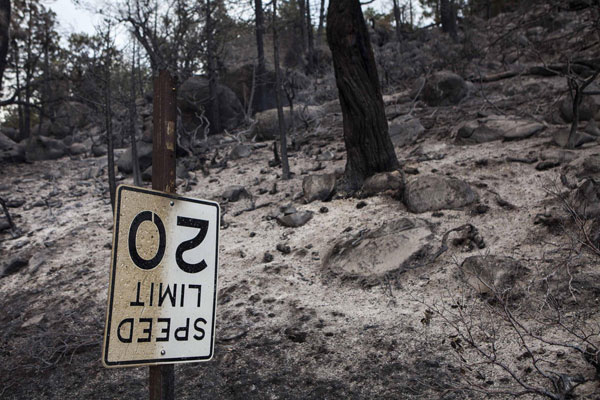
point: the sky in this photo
(74, 18)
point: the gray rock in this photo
(563, 156)
(492, 274)
(10, 150)
(383, 181)
(587, 109)
(590, 166)
(13, 265)
(295, 220)
(4, 225)
(193, 98)
(586, 199)
(240, 151)
(77, 149)
(267, 122)
(318, 187)
(144, 151)
(147, 174)
(405, 130)
(433, 192)
(325, 156)
(592, 128)
(395, 246)
(561, 138)
(496, 127)
(547, 164)
(235, 193)
(42, 148)
(99, 150)
(444, 88)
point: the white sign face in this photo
(163, 279)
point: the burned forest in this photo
(300, 199)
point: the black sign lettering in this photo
(162, 240)
(200, 330)
(185, 329)
(121, 338)
(200, 224)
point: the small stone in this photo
(240, 151)
(323, 210)
(318, 187)
(252, 234)
(295, 220)
(235, 193)
(326, 156)
(361, 204)
(15, 203)
(481, 209)
(548, 164)
(295, 335)
(283, 248)
(13, 265)
(267, 257)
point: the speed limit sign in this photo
(163, 279)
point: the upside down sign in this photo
(163, 279)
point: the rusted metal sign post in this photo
(164, 117)
(163, 277)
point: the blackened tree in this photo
(368, 145)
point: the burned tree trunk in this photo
(137, 176)
(261, 71)
(4, 25)
(321, 21)
(398, 22)
(311, 40)
(368, 145)
(282, 130)
(215, 118)
(448, 16)
(108, 120)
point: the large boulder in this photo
(43, 148)
(495, 127)
(193, 99)
(382, 182)
(444, 88)
(586, 199)
(69, 116)
(10, 150)
(241, 80)
(370, 254)
(12, 133)
(433, 192)
(587, 109)
(318, 187)
(267, 122)
(405, 130)
(144, 152)
(490, 274)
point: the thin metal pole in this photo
(164, 117)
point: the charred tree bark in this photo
(212, 72)
(135, 162)
(398, 22)
(108, 121)
(368, 145)
(4, 33)
(302, 11)
(311, 39)
(285, 167)
(261, 70)
(448, 16)
(321, 21)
